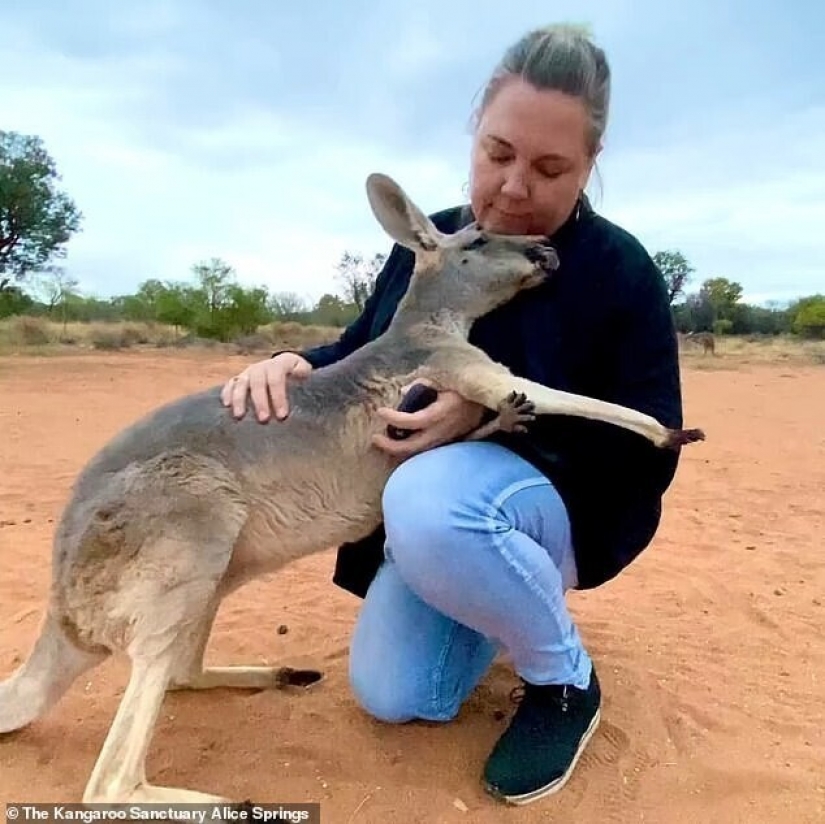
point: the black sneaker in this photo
(546, 737)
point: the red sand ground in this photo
(710, 648)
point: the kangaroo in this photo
(188, 504)
(706, 340)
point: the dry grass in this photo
(736, 350)
(33, 335)
(30, 335)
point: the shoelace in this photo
(517, 695)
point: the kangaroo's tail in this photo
(52, 666)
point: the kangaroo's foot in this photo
(513, 413)
(119, 775)
(191, 674)
(145, 793)
(246, 678)
(220, 810)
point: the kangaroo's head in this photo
(466, 274)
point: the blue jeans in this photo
(478, 560)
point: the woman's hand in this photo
(265, 382)
(448, 418)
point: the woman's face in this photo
(530, 159)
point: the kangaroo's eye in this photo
(476, 244)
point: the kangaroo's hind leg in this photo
(191, 674)
(144, 573)
(164, 604)
(119, 776)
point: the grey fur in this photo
(188, 504)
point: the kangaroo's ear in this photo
(401, 219)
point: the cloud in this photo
(745, 200)
(186, 130)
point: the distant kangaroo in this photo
(704, 339)
(188, 504)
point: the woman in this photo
(481, 540)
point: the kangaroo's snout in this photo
(544, 256)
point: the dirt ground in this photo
(710, 648)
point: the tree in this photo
(809, 317)
(331, 310)
(246, 311)
(675, 270)
(36, 220)
(14, 301)
(214, 278)
(287, 305)
(58, 289)
(699, 314)
(177, 304)
(358, 276)
(723, 295)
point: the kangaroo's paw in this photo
(681, 437)
(513, 413)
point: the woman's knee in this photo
(395, 639)
(379, 696)
(397, 685)
(424, 689)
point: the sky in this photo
(192, 129)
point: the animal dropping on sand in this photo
(188, 504)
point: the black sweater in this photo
(601, 326)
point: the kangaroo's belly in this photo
(310, 506)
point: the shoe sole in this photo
(558, 784)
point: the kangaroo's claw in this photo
(514, 412)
